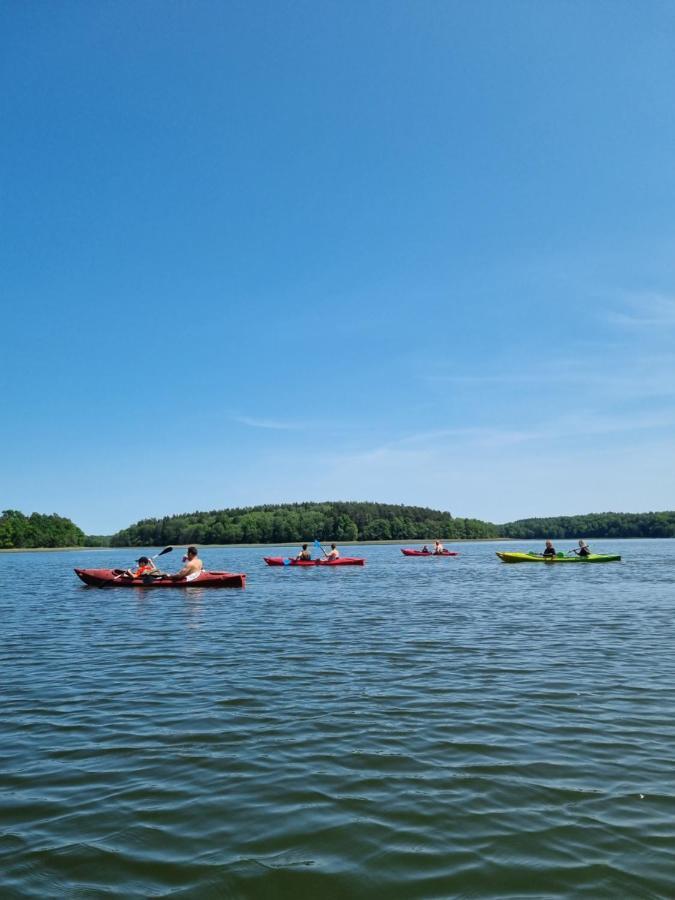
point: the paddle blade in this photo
(287, 562)
(317, 545)
(165, 550)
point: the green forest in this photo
(37, 530)
(341, 521)
(338, 521)
(594, 525)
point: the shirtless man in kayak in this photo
(305, 554)
(438, 548)
(334, 553)
(192, 569)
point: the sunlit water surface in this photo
(419, 728)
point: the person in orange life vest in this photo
(145, 567)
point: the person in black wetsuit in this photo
(549, 549)
(584, 549)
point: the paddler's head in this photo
(191, 552)
(143, 561)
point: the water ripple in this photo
(404, 731)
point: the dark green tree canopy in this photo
(330, 521)
(37, 530)
(594, 525)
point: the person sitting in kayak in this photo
(584, 549)
(334, 553)
(438, 548)
(192, 569)
(549, 549)
(305, 554)
(425, 549)
(145, 567)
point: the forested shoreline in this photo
(270, 524)
(338, 521)
(593, 525)
(18, 531)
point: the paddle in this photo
(319, 547)
(165, 550)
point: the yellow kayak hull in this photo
(560, 558)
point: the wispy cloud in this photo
(649, 310)
(612, 372)
(553, 431)
(271, 424)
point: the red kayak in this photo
(428, 553)
(112, 578)
(342, 561)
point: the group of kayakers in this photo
(193, 566)
(305, 554)
(584, 549)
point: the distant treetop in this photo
(37, 530)
(594, 525)
(329, 521)
(272, 524)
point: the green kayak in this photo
(560, 558)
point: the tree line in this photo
(283, 523)
(330, 521)
(594, 525)
(38, 530)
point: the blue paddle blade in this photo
(317, 545)
(287, 562)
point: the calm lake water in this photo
(419, 728)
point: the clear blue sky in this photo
(268, 251)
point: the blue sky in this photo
(408, 252)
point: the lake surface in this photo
(419, 728)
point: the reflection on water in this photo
(419, 728)
(194, 598)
